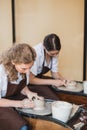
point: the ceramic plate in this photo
(79, 88)
(46, 111)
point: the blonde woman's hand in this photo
(26, 103)
(32, 95)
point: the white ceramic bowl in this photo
(39, 104)
(71, 85)
(61, 110)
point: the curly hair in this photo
(19, 53)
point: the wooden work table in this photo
(43, 122)
(37, 122)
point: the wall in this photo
(37, 18)
(5, 24)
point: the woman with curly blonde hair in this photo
(15, 64)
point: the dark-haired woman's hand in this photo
(58, 82)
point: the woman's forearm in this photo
(54, 82)
(57, 75)
(25, 103)
(9, 103)
(39, 81)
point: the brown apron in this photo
(44, 90)
(10, 119)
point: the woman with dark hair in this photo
(47, 59)
(52, 42)
(15, 64)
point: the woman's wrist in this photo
(17, 104)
